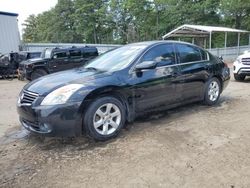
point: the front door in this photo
(59, 61)
(155, 88)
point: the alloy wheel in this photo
(213, 91)
(107, 119)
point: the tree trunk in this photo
(95, 39)
(238, 20)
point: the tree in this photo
(30, 25)
(236, 13)
(126, 21)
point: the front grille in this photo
(245, 61)
(28, 97)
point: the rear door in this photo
(75, 58)
(194, 67)
(88, 54)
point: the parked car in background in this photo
(9, 63)
(118, 86)
(241, 67)
(25, 55)
(57, 59)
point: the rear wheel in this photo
(212, 91)
(38, 73)
(104, 118)
(9, 74)
(239, 77)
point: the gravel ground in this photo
(190, 146)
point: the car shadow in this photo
(246, 80)
(165, 116)
(142, 123)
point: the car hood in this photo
(245, 55)
(30, 61)
(46, 84)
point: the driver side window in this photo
(163, 54)
(60, 55)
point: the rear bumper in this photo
(225, 77)
(58, 120)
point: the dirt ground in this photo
(191, 146)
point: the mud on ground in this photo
(191, 146)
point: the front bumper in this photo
(241, 69)
(58, 120)
(244, 71)
(25, 73)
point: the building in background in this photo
(9, 33)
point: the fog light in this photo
(44, 127)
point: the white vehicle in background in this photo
(241, 67)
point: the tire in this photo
(239, 77)
(38, 73)
(9, 75)
(212, 91)
(98, 121)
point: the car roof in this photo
(149, 43)
(73, 48)
(29, 52)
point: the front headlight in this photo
(238, 60)
(61, 95)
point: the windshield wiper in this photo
(92, 68)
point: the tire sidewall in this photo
(206, 98)
(239, 77)
(89, 115)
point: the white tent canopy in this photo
(200, 31)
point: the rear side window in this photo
(163, 54)
(89, 52)
(204, 55)
(75, 53)
(188, 53)
(60, 55)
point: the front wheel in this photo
(212, 91)
(104, 118)
(239, 77)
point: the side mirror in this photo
(54, 56)
(221, 58)
(146, 65)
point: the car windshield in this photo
(116, 59)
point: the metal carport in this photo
(204, 32)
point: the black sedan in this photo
(99, 98)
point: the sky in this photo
(26, 7)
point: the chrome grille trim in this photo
(245, 61)
(28, 97)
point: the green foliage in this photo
(125, 21)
